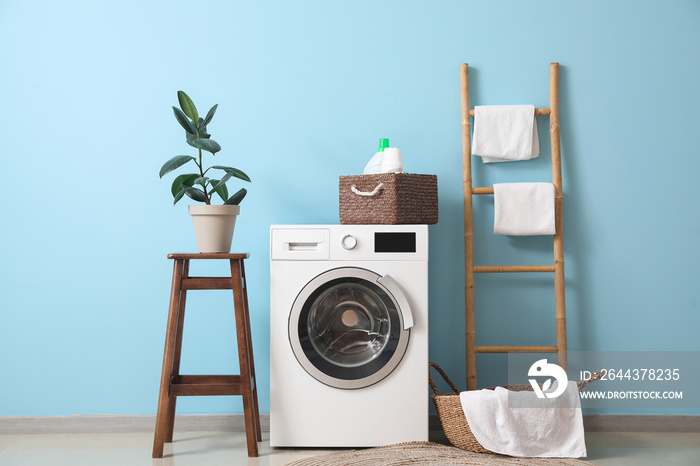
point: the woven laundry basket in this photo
(388, 199)
(452, 418)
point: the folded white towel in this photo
(523, 209)
(504, 133)
(554, 428)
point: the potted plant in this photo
(213, 224)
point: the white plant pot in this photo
(213, 226)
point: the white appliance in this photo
(348, 335)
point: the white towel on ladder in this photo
(504, 133)
(523, 209)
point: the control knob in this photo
(348, 242)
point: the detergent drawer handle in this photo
(374, 192)
(395, 291)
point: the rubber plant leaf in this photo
(220, 189)
(174, 163)
(187, 105)
(237, 197)
(202, 135)
(202, 129)
(183, 181)
(233, 172)
(196, 194)
(178, 196)
(184, 121)
(201, 180)
(222, 182)
(210, 115)
(208, 145)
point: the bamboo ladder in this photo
(471, 269)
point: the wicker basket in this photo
(388, 199)
(452, 418)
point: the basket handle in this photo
(594, 376)
(374, 192)
(444, 376)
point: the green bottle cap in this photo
(383, 144)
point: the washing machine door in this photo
(349, 327)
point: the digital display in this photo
(394, 242)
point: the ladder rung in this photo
(516, 349)
(512, 268)
(538, 111)
(482, 190)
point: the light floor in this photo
(228, 448)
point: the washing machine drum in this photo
(347, 328)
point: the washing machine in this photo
(348, 335)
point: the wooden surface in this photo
(470, 331)
(538, 111)
(173, 384)
(560, 302)
(209, 255)
(513, 268)
(558, 244)
(516, 349)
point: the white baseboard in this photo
(235, 423)
(123, 423)
(640, 423)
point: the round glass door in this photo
(346, 329)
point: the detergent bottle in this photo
(374, 166)
(391, 161)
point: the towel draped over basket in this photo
(461, 431)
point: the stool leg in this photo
(256, 409)
(172, 401)
(168, 354)
(244, 358)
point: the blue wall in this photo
(305, 91)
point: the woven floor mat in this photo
(424, 453)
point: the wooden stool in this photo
(172, 384)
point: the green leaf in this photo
(202, 130)
(208, 145)
(184, 121)
(187, 105)
(191, 137)
(183, 181)
(210, 115)
(237, 198)
(174, 163)
(196, 194)
(221, 189)
(178, 196)
(222, 182)
(201, 180)
(233, 172)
